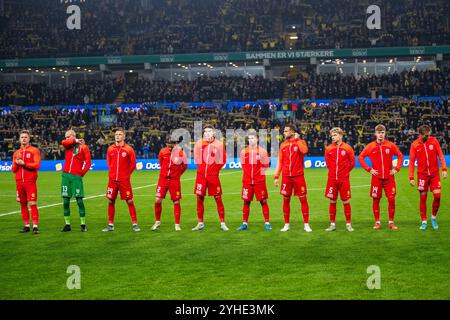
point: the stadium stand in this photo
(304, 86)
(147, 127)
(112, 27)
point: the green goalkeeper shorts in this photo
(71, 186)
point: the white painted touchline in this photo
(103, 195)
(150, 196)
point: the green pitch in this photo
(212, 264)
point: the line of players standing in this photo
(210, 157)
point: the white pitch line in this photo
(102, 195)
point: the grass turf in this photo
(212, 264)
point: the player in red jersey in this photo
(77, 164)
(290, 164)
(121, 161)
(254, 161)
(173, 162)
(340, 160)
(380, 153)
(25, 165)
(427, 150)
(210, 157)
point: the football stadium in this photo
(224, 150)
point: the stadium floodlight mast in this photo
(235, 139)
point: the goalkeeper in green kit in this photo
(77, 163)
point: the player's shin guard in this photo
(177, 212)
(391, 208)
(332, 212)
(286, 209)
(200, 208)
(66, 208)
(132, 210)
(265, 210)
(245, 211)
(376, 209)
(436, 203)
(305, 209)
(111, 212)
(423, 207)
(81, 210)
(220, 209)
(25, 213)
(158, 210)
(34, 214)
(348, 212)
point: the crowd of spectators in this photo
(406, 83)
(42, 94)
(112, 27)
(148, 127)
(304, 86)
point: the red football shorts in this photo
(425, 183)
(26, 192)
(341, 186)
(171, 185)
(258, 190)
(296, 184)
(210, 183)
(126, 192)
(377, 186)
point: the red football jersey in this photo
(340, 160)
(381, 154)
(210, 157)
(427, 155)
(32, 161)
(173, 163)
(290, 158)
(121, 162)
(77, 159)
(254, 161)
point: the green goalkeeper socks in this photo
(82, 210)
(66, 205)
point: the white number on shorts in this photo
(199, 187)
(110, 191)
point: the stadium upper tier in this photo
(128, 27)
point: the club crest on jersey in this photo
(343, 152)
(388, 151)
(374, 191)
(258, 157)
(431, 147)
(295, 148)
(28, 156)
(124, 154)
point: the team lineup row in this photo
(210, 157)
